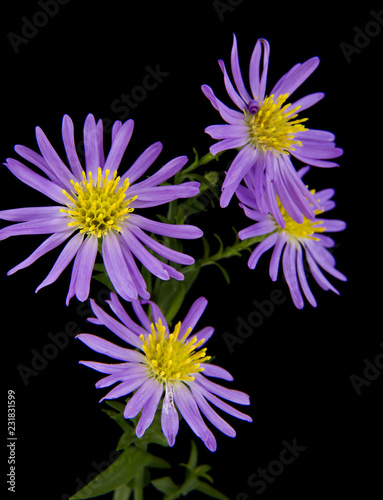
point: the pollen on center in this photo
(98, 205)
(170, 358)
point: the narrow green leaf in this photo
(223, 271)
(210, 491)
(129, 464)
(165, 485)
(193, 457)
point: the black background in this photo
(296, 365)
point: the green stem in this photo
(139, 481)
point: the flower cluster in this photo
(97, 213)
(267, 131)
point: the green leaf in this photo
(169, 297)
(193, 457)
(122, 493)
(165, 485)
(223, 271)
(208, 490)
(104, 279)
(127, 466)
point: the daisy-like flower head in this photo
(268, 130)
(293, 241)
(96, 206)
(164, 362)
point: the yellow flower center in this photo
(306, 229)
(169, 358)
(97, 207)
(273, 127)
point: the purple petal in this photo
(154, 196)
(228, 131)
(229, 115)
(116, 267)
(115, 128)
(229, 394)
(39, 161)
(84, 263)
(140, 398)
(143, 162)
(123, 316)
(162, 250)
(49, 244)
(35, 181)
(302, 278)
(129, 372)
(70, 148)
(133, 271)
(100, 143)
(125, 388)
(216, 371)
(189, 410)
(307, 101)
(225, 144)
(290, 273)
(244, 160)
(38, 226)
(261, 248)
(142, 316)
(183, 231)
(119, 146)
(149, 410)
(115, 326)
(164, 173)
(52, 158)
(114, 351)
(169, 416)
(224, 406)
(318, 275)
(192, 317)
(237, 100)
(204, 334)
(236, 71)
(104, 367)
(276, 256)
(295, 77)
(257, 83)
(91, 146)
(154, 265)
(30, 213)
(209, 413)
(63, 260)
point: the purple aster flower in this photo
(292, 240)
(95, 206)
(164, 362)
(267, 131)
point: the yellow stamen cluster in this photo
(97, 207)
(274, 127)
(301, 230)
(172, 359)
